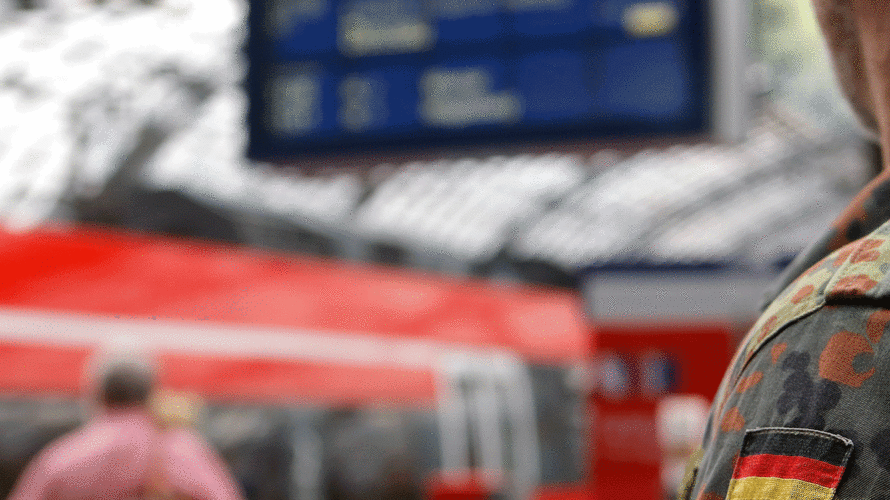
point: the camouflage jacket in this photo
(804, 410)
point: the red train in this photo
(328, 380)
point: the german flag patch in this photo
(793, 464)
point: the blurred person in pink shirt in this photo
(124, 453)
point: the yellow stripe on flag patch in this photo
(760, 488)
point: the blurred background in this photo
(409, 249)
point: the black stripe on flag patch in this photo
(808, 443)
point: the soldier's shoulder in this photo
(858, 273)
(862, 269)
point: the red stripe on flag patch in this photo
(789, 467)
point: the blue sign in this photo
(344, 75)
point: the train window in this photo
(256, 442)
(508, 450)
(488, 423)
(614, 376)
(306, 480)
(326, 454)
(658, 374)
(469, 388)
(424, 436)
(368, 455)
(561, 431)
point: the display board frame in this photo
(517, 59)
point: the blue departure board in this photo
(352, 75)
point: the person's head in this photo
(119, 378)
(125, 385)
(856, 32)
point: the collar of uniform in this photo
(857, 272)
(867, 211)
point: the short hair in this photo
(125, 384)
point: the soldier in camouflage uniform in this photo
(804, 410)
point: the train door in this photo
(488, 426)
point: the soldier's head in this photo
(856, 32)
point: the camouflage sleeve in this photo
(824, 376)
